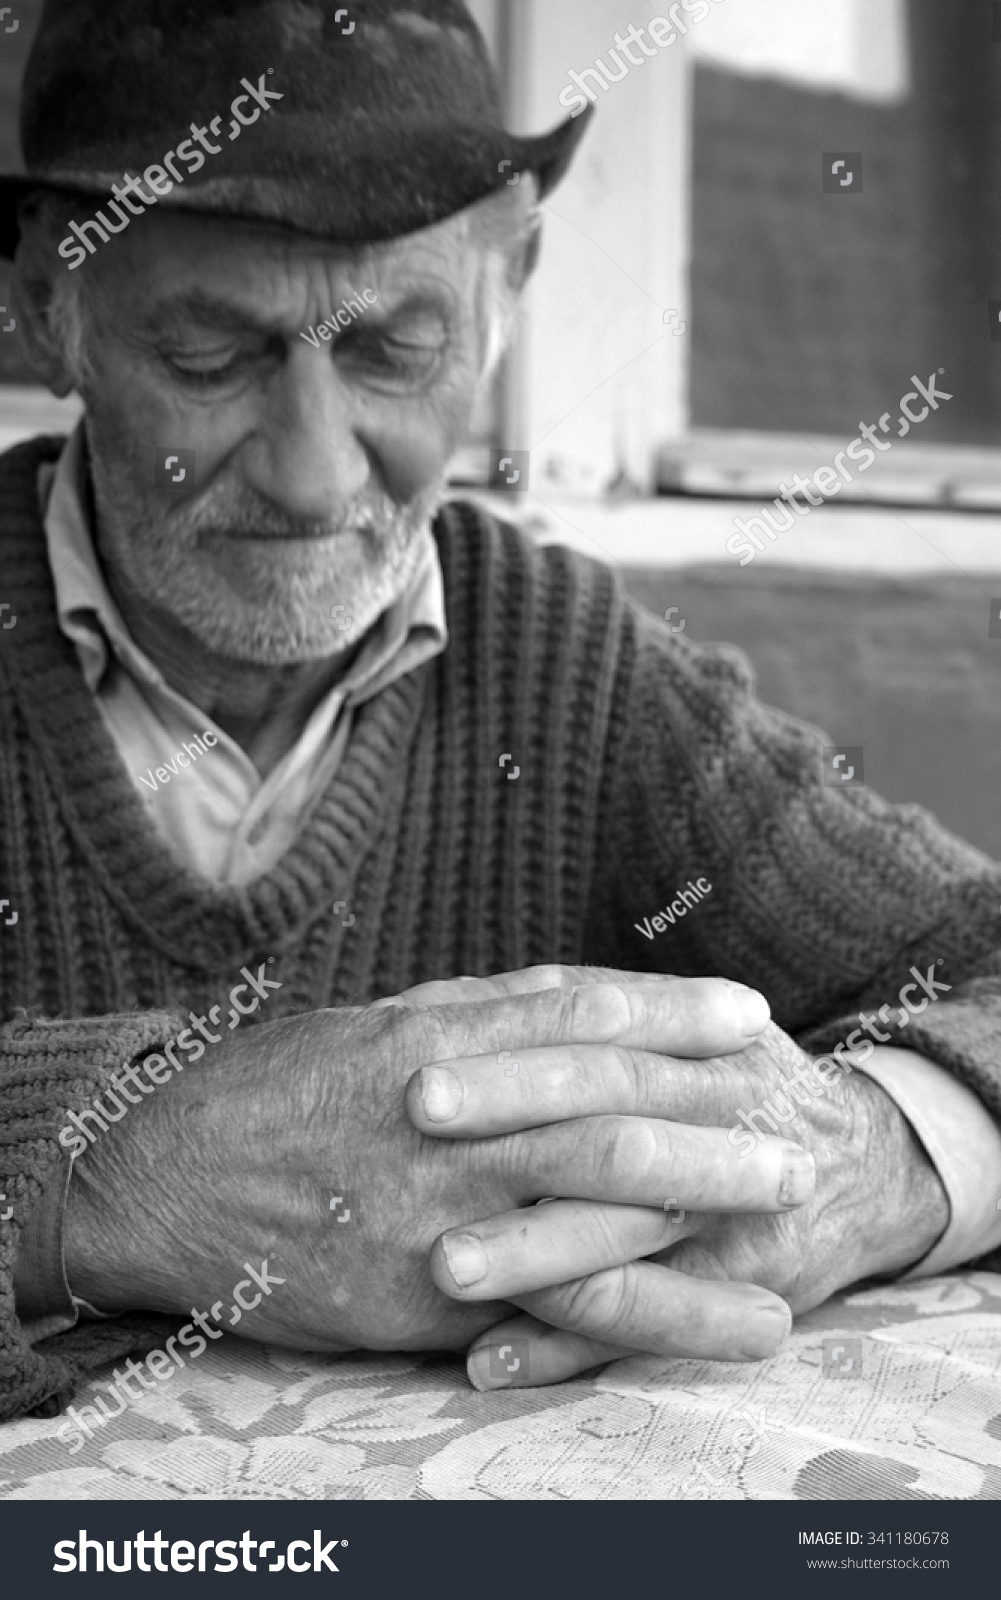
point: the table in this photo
(889, 1393)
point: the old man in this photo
(299, 981)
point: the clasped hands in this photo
(450, 1112)
(598, 1282)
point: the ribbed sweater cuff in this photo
(49, 1067)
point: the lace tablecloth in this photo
(892, 1393)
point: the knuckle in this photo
(552, 976)
(633, 1073)
(415, 1034)
(625, 1151)
(601, 1303)
(568, 1082)
(590, 1008)
(599, 1231)
(572, 1010)
(427, 993)
(512, 1156)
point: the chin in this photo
(277, 636)
(299, 619)
(273, 602)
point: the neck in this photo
(263, 708)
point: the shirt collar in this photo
(408, 632)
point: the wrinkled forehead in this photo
(169, 253)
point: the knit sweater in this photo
(644, 763)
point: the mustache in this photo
(224, 512)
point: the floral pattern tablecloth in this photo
(891, 1393)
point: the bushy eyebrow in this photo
(199, 306)
(223, 316)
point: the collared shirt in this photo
(222, 819)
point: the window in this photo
(706, 316)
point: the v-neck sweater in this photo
(529, 796)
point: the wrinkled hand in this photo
(878, 1205)
(237, 1159)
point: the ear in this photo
(31, 287)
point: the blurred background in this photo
(710, 317)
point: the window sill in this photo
(676, 530)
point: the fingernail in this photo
(478, 1369)
(765, 1330)
(441, 1094)
(466, 1258)
(753, 1010)
(799, 1172)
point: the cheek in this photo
(134, 423)
(416, 445)
(149, 462)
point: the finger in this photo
(524, 1352)
(442, 991)
(477, 1096)
(548, 1016)
(474, 1097)
(645, 1307)
(521, 1251)
(677, 1016)
(641, 1161)
(648, 1176)
(522, 980)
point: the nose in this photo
(306, 455)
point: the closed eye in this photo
(202, 368)
(398, 357)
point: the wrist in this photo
(908, 1209)
(115, 1252)
(95, 1271)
